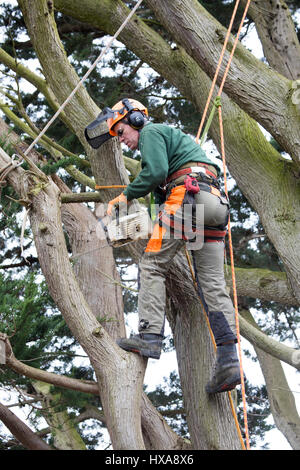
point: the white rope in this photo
(22, 234)
(83, 78)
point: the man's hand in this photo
(117, 200)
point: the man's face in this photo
(127, 135)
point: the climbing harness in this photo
(217, 105)
(200, 168)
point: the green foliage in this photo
(28, 316)
(53, 166)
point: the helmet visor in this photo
(94, 131)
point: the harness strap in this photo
(210, 234)
(209, 189)
(186, 171)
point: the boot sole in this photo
(225, 386)
(142, 352)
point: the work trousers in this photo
(208, 263)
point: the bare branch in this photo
(269, 345)
(54, 379)
(21, 431)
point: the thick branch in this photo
(262, 284)
(81, 197)
(31, 77)
(46, 143)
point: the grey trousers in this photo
(209, 264)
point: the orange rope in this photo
(217, 70)
(234, 288)
(111, 186)
(215, 348)
(226, 191)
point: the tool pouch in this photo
(191, 184)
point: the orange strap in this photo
(171, 206)
(155, 242)
(175, 200)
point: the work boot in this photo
(227, 370)
(145, 344)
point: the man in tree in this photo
(179, 173)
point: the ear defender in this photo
(135, 118)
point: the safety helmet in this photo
(134, 112)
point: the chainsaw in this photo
(128, 228)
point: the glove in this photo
(114, 202)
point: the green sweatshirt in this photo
(164, 150)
